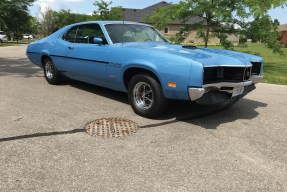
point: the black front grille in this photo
(256, 68)
(226, 74)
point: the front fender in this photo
(167, 70)
(196, 74)
(167, 67)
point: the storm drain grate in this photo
(111, 127)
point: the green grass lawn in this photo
(275, 65)
(12, 43)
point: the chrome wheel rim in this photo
(143, 95)
(49, 70)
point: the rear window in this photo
(2, 33)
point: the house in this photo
(283, 34)
(138, 15)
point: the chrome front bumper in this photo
(256, 78)
(229, 87)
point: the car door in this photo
(86, 61)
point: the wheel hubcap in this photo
(49, 70)
(143, 95)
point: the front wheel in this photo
(52, 75)
(146, 96)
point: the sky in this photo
(87, 7)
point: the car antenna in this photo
(123, 10)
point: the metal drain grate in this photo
(111, 127)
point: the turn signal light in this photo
(171, 84)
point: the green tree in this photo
(2, 24)
(219, 17)
(33, 26)
(104, 12)
(65, 17)
(216, 16)
(268, 34)
(48, 22)
(15, 15)
(83, 17)
(51, 20)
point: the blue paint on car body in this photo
(105, 65)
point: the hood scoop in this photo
(189, 47)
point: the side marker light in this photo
(171, 84)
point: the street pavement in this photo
(190, 148)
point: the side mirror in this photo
(98, 40)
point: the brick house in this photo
(283, 34)
(174, 27)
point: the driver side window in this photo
(71, 35)
(85, 34)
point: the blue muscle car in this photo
(135, 58)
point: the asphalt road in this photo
(190, 148)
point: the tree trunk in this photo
(206, 36)
(208, 21)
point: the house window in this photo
(166, 30)
(182, 31)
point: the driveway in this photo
(190, 148)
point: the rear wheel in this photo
(146, 96)
(52, 75)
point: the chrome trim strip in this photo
(228, 84)
(256, 78)
(247, 65)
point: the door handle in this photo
(70, 47)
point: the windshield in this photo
(133, 33)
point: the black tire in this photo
(52, 75)
(1, 42)
(146, 96)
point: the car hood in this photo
(206, 56)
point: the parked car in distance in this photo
(135, 58)
(28, 36)
(3, 37)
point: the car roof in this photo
(61, 31)
(110, 22)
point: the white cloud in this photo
(72, 0)
(44, 5)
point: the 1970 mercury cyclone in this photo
(135, 58)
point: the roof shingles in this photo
(282, 28)
(138, 15)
